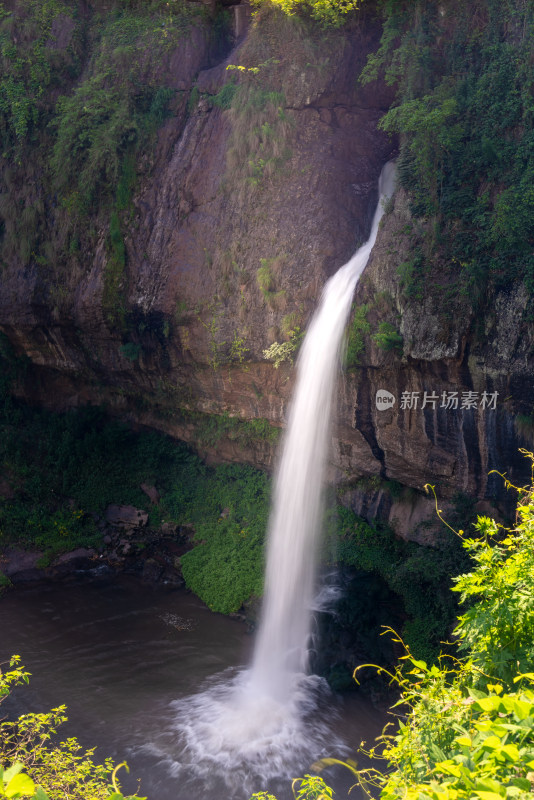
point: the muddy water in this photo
(122, 656)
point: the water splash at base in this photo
(231, 739)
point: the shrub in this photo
(330, 13)
(358, 329)
(279, 352)
(387, 337)
(229, 512)
(60, 769)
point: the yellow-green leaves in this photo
(331, 13)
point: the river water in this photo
(126, 657)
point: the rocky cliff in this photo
(158, 297)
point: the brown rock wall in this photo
(204, 221)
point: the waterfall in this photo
(268, 720)
(297, 510)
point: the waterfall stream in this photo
(267, 721)
(297, 510)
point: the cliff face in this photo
(250, 194)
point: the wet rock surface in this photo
(199, 313)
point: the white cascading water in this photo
(297, 511)
(258, 722)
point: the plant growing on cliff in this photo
(238, 349)
(387, 337)
(464, 114)
(331, 13)
(279, 352)
(358, 329)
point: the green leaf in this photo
(522, 783)
(492, 743)
(489, 703)
(13, 770)
(20, 785)
(511, 752)
(464, 741)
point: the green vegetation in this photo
(330, 13)
(419, 575)
(466, 725)
(79, 109)
(33, 763)
(464, 114)
(229, 513)
(387, 337)
(65, 468)
(279, 352)
(238, 349)
(30, 67)
(211, 428)
(265, 277)
(131, 351)
(111, 115)
(358, 328)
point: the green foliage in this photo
(211, 428)
(358, 329)
(29, 68)
(290, 322)
(411, 276)
(238, 349)
(74, 144)
(497, 630)
(4, 582)
(419, 575)
(260, 127)
(262, 796)
(330, 13)
(61, 769)
(387, 337)
(469, 728)
(112, 114)
(265, 278)
(464, 114)
(229, 512)
(279, 352)
(311, 787)
(65, 468)
(225, 96)
(14, 783)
